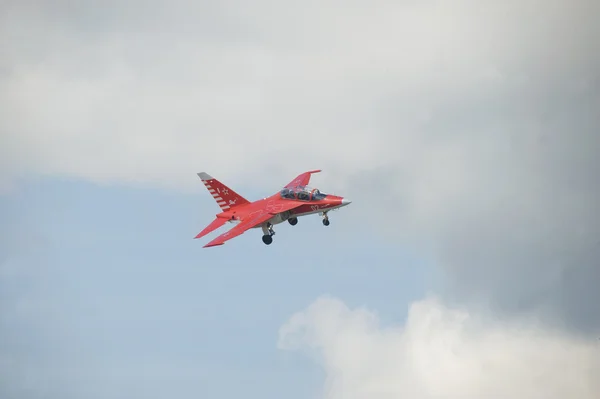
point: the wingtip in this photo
(204, 176)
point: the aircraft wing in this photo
(254, 219)
(302, 179)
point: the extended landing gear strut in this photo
(268, 234)
(325, 219)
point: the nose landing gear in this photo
(325, 219)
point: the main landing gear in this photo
(268, 234)
(268, 231)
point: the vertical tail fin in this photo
(226, 198)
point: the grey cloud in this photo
(510, 208)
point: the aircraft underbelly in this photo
(280, 217)
(312, 209)
(301, 211)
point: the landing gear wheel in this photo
(325, 222)
(267, 239)
(293, 221)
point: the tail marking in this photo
(225, 197)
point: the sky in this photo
(465, 133)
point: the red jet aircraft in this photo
(294, 200)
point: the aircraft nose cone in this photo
(346, 201)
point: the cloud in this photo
(144, 93)
(473, 127)
(440, 352)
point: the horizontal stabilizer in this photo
(213, 245)
(218, 222)
(256, 219)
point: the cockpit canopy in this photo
(302, 193)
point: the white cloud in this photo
(441, 353)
